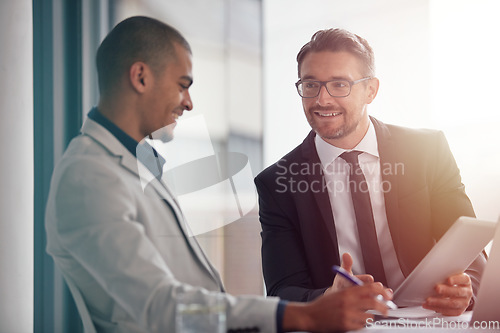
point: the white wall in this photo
(398, 32)
(16, 165)
(464, 93)
(426, 52)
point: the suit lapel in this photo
(195, 247)
(130, 162)
(321, 197)
(388, 163)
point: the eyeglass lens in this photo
(336, 88)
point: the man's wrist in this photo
(296, 317)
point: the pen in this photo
(354, 280)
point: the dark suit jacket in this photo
(423, 194)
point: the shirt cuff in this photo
(280, 312)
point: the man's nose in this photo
(188, 103)
(324, 97)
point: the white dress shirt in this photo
(337, 178)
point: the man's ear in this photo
(372, 90)
(139, 76)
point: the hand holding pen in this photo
(355, 281)
(340, 283)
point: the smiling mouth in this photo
(330, 114)
(177, 115)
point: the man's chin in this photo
(164, 134)
(329, 133)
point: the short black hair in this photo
(137, 38)
(337, 40)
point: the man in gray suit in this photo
(126, 249)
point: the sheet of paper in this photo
(409, 312)
(418, 312)
(412, 312)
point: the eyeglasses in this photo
(336, 88)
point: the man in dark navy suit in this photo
(378, 196)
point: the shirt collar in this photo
(123, 137)
(328, 153)
(142, 151)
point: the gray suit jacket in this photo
(125, 245)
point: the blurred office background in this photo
(436, 60)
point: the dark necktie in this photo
(364, 218)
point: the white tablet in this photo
(487, 307)
(452, 254)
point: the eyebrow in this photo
(311, 77)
